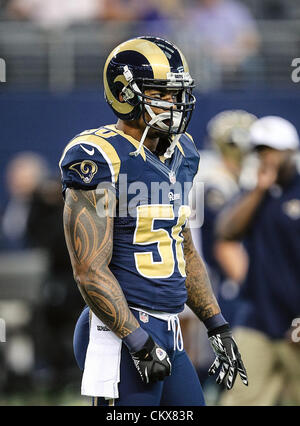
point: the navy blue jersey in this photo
(151, 213)
(271, 292)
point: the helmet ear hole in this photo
(126, 95)
(118, 90)
(130, 96)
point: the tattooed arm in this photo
(88, 223)
(89, 238)
(228, 362)
(201, 299)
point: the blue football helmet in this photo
(149, 63)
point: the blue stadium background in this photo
(43, 122)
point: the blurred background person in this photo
(31, 227)
(156, 17)
(23, 174)
(227, 33)
(220, 170)
(55, 13)
(18, 267)
(58, 302)
(267, 219)
(155, 9)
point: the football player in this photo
(267, 219)
(228, 134)
(130, 246)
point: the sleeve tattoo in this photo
(201, 299)
(89, 238)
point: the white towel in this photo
(102, 364)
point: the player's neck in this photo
(129, 129)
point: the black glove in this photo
(227, 356)
(152, 362)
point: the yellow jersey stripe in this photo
(189, 136)
(133, 141)
(180, 148)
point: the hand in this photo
(227, 357)
(266, 176)
(152, 362)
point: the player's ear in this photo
(121, 99)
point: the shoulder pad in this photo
(89, 160)
(189, 150)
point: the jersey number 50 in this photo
(145, 234)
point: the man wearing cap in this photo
(267, 219)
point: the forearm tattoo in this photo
(89, 239)
(200, 295)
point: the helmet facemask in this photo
(174, 119)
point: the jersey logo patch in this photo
(86, 170)
(172, 177)
(144, 317)
(161, 354)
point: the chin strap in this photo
(138, 150)
(154, 119)
(170, 149)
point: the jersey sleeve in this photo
(84, 166)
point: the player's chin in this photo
(157, 133)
